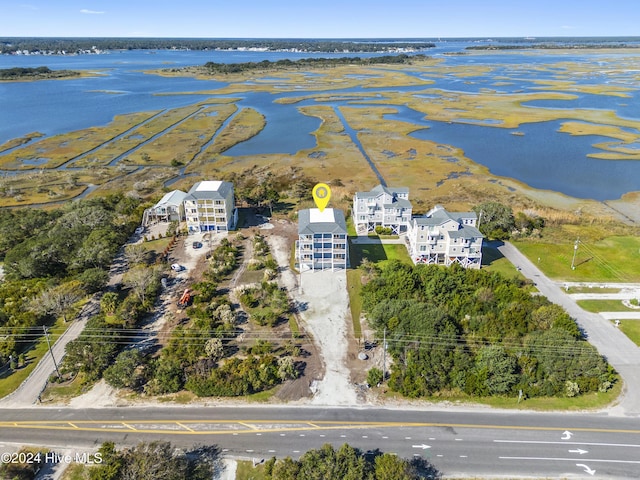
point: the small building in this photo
(387, 207)
(170, 207)
(210, 206)
(322, 240)
(444, 238)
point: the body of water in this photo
(542, 157)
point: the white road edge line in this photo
(629, 445)
(560, 459)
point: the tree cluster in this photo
(348, 463)
(472, 331)
(21, 73)
(497, 221)
(52, 259)
(225, 68)
(157, 460)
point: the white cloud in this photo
(91, 12)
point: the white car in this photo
(176, 267)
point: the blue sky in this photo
(319, 18)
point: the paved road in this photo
(29, 391)
(481, 443)
(620, 352)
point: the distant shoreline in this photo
(96, 46)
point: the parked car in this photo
(176, 267)
(139, 230)
(196, 245)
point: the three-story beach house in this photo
(210, 206)
(444, 238)
(386, 207)
(322, 240)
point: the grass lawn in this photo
(494, 261)
(33, 356)
(293, 326)
(66, 391)
(631, 328)
(377, 252)
(246, 471)
(354, 286)
(593, 290)
(597, 306)
(158, 245)
(613, 259)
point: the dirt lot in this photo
(322, 313)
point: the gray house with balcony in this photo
(322, 240)
(387, 207)
(445, 238)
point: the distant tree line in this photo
(473, 331)
(401, 59)
(580, 45)
(10, 45)
(38, 72)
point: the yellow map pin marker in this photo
(321, 195)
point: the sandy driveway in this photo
(324, 308)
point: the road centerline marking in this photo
(185, 427)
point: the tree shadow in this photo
(490, 252)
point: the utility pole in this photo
(46, 335)
(575, 251)
(384, 354)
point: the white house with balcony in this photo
(210, 206)
(383, 206)
(322, 240)
(445, 238)
(170, 207)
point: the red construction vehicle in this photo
(185, 298)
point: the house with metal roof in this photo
(210, 206)
(322, 240)
(170, 207)
(445, 238)
(387, 207)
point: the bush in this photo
(380, 230)
(93, 280)
(374, 376)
